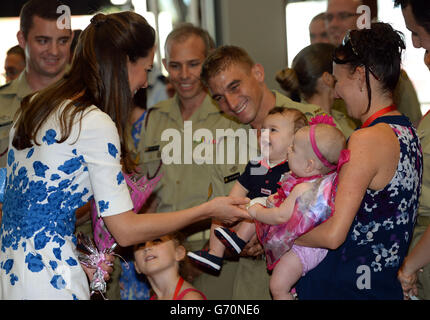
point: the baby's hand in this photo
(252, 210)
(271, 200)
(107, 267)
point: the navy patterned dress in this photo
(365, 266)
(45, 185)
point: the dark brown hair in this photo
(178, 238)
(45, 9)
(378, 50)
(16, 50)
(98, 76)
(76, 34)
(420, 9)
(221, 58)
(307, 67)
(185, 265)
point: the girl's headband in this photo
(344, 154)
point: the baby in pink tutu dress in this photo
(305, 199)
(259, 179)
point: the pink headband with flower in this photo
(344, 154)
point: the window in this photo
(300, 14)
(298, 17)
(413, 59)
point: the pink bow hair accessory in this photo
(343, 158)
(322, 119)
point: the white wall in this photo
(259, 27)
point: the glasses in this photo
(342, 16)
(349, 38)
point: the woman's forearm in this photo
(313, 239)
(129, 228)
(322, 236)
(419, 256)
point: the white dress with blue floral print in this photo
(45, 185)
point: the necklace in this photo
(378, 114)
(178, 287)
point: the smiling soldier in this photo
(47, 50)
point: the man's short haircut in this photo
(221, 58)
(45, 9)
(319, 16)
(185, 30)
(420, 10)
(16, 50)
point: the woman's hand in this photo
(228, 209)
(417, 258)
(408, 282)
(254, 209)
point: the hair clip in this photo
(322, 119)
(98, 19)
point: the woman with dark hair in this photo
(377, 198)
(76, 34)
(68, 146)
(310, 80)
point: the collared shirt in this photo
(423, 132)
(343, 122)
(406, 99)
(228, 174)
(309, 110)
(181, 152)
(11, 95)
